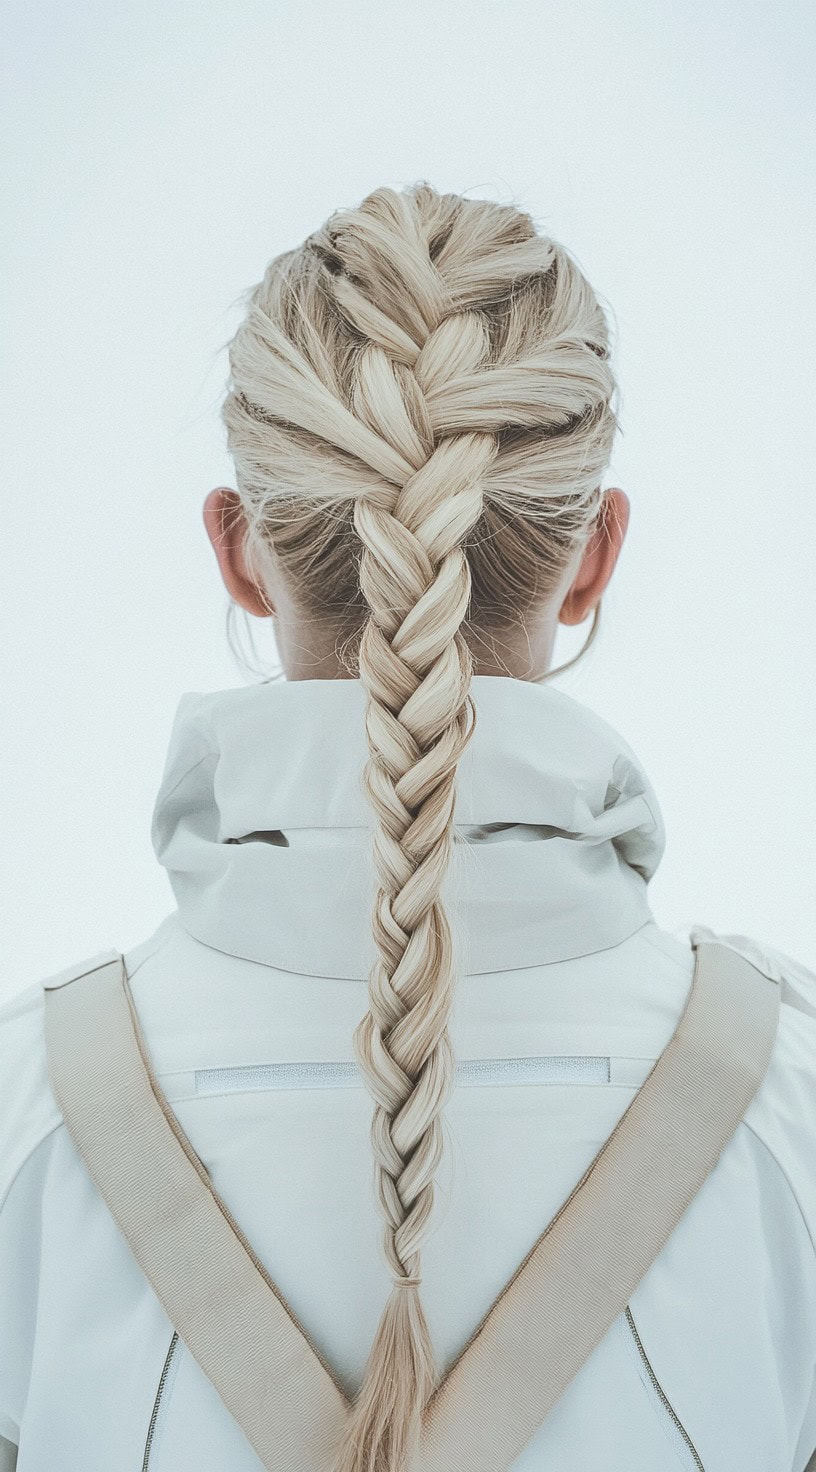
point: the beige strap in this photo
(213, 1288)
(545, 1323)
(601, 1243)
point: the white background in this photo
(157, 155)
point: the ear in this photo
(226, 528)
(599, 559)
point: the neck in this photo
(519, 651)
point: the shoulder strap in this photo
(215, 1291)
(543, 1326)
(598, 1247)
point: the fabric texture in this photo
(261, 966)
(261, 798)
(547, 1319)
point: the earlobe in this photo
(577, 606)
(573, 611)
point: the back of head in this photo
(420, 414)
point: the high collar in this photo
(264, 828)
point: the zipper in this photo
(549, 1069)
(665, 1403)
(171, 1359)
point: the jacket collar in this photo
(265, 831)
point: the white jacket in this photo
(248, 994)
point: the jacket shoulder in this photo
(797, 982)
(28, 1109)
(782, 1113)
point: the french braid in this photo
(404, 387)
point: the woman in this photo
(420, 414)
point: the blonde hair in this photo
(419, 413)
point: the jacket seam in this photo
(294, 970)
(656, 946)
(207, 755)
(149, 957)
(782, 1171)
(58, 1124)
